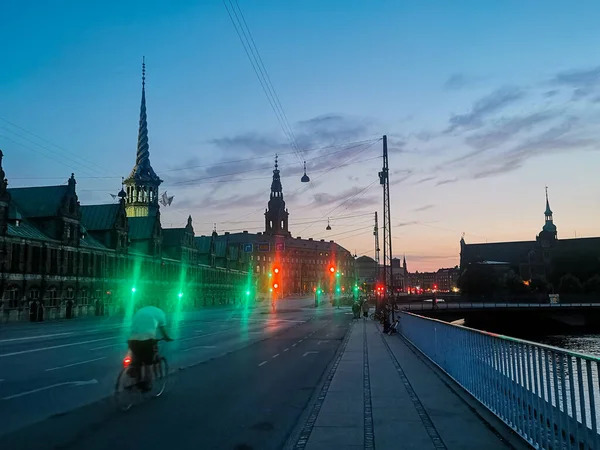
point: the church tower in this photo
(548, 233)
(276, 216)
(142, 183)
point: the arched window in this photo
(11, 296)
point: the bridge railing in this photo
(427, 306)
(546, 394)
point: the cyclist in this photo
(146, 323)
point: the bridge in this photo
(507, 317)
(547, 395)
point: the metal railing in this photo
(428, 306)
(546, 394)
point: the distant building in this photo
(304, 264)
(546, 256)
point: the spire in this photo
(549, 225)
(143, 153)
(143, 170)
(548, 211)
(276, 187)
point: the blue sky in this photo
(484, 104)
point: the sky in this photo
(484, 104)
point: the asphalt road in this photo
(248, 378)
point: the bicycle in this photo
(127, 385)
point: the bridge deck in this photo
(426, 306)
(383, 395)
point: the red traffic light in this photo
(332, 269)
(275, 286)
(276, 270)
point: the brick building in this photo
(62, 259)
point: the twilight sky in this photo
(484, 103)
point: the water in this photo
(588, 344)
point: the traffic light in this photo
(247, 292)
(275, 286)
(331, 269)
(180, 294)
(132, 289)
(276, 270)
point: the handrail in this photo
(546, 394)
(512, 339)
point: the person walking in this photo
(365, 309)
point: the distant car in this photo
(439, 300)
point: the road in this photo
(248, 378)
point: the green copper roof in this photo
(26, 230)
(99, 217)
(42, 201)
(141, 227)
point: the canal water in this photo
(588, 344)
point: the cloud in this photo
(584, 82)
(442, 182)
(423, 208)
(406, 224)
(484, 107)
(254, 142)
(403, 176)
(458, 81)
(564, 137)
(424, 180)
(353, 198)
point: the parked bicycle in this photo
(151, 382)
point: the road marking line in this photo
(275, 355)
(68, 383)
(308, 353)
(262, 363)
(319, 343)
(35, 337)
(203, 335)
(200, 346)
(285, 350)
(293, 345)
(76, 364)
(33, 350)
(107, 346)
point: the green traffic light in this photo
(180, 294)
(247, 292)
(132, 289)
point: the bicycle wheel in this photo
(124, 390)
(161, 376)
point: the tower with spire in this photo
(142, 183)
(276, 215)
(548, 233)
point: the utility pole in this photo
(384, 180)
(377, 274)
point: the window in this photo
(52, 297)
(34, 294)
(15, 258)
(84, 297)
(70, 294)
(11, 296)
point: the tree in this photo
(539, 284)
(592, 285)
(478, 280)
(569, 284)
(514, 283)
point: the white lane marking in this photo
(33, 350)
(319, 343)
(203, 335)
(293, 345)
(262, 363)
(107, 346)
(75, 364)
(68, 383)
(275, 355)
(35, 337)
(308, 353)
(286, 349)
(200, 346)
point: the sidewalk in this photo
(382, 395)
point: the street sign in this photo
(280, 246)
(247, 248)
(264, 247)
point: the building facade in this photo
(62, 259)
(304, 265)
(547, 256)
